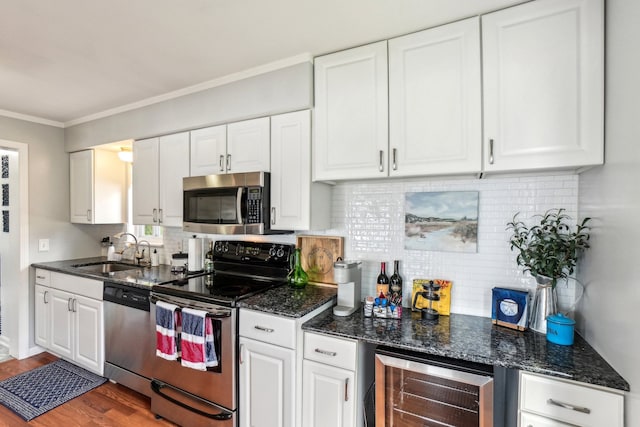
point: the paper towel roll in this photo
(195, 261)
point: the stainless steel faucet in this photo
(142, 260)
(119, 235)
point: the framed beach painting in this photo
(441, 221)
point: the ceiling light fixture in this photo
(125, 154)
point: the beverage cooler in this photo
(415, 389)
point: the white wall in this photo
(608, 315)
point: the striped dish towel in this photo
(198, 349)
(168, 328)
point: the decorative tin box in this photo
(510, 308)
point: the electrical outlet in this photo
(43, 245)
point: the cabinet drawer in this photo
(268, 328)
(77, 285)
(531, 420)
(570, 402)
(43, 277)
(331, 351)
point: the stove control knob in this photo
(272, 251)
(280, 252)
(225, 248)
(218, 247)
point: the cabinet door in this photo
(81, 186)
(145, 182)
(89, 333)
(42, 315)
(544, 85)
(435, 124)
(351, 114)
(248, 146)
(173, 166)
(62, 334)
(291, 171)
(266, 384)
(328, 396)
(208, 151)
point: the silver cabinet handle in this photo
(569, 406)
(325, 352)
(491, 151)
(88, 214)
(395, 165)
(155, 215)
(228, 162)
(221, 164)
(241, 353)
(69, 304)
(273, 215)
(346, 389)
(160, 216)
(380, 165)
(75, 305)
(40, 277)
(44, 297)
(263, 329)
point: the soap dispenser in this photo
(111, 252)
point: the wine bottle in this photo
(395, 284)
(382, 283)
(208, 259)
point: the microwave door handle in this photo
(239, 205)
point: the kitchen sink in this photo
(106, 268)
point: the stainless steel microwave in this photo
(236, 203)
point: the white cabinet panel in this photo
(435, 101)
(42, 315)
(351, 114)
(97, 187)
(248, 146)
(89, 331)
(208, 150)
(62, 336)
(292, 205)
(544, 85)
(266, 367)
(328, 396)
(159, 164)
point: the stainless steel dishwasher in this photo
(129, 336)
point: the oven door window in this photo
(216, 206)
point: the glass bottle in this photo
(395, 284)
(382, 283)
(297, 277)
(208, 259)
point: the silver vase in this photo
(545, 303)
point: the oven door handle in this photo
(157, 387)
(218, 313)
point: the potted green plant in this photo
(549, 251)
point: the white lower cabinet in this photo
(546, 401)
(328, 398)
(271, 354)
(337, 373)
(69, 319)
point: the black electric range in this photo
(241, 269)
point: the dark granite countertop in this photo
(475, 339)
(291, 302)
(137, 277)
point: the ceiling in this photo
(68, 61)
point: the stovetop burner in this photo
(242, 269)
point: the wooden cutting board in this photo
(318, 255)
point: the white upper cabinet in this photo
(97, 187)
(248, 146)
(544, 85)
(159, 164)
(208, 150)
(292, 204)
(435, 101)
(351, 121)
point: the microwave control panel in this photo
(254, 205)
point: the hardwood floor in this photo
(107, 405)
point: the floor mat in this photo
(35, 392)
